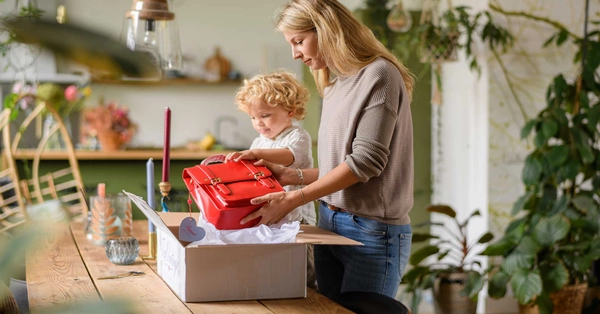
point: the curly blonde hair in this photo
(279, 88)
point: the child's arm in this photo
(281, 156)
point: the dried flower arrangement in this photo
(111, 124)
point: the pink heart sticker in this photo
(189, 232)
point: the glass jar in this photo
(122, 250)
(110, 217)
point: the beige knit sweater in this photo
(366, 122)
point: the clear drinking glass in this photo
(111, 217)
(122, 250)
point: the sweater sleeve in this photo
(377, 123)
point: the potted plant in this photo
(550, 248)
(456, 269)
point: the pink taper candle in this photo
(167, 146)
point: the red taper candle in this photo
(167, 146)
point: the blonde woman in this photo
(364, 182)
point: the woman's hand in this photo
(237, 156)
(277, 206)
(283, 175)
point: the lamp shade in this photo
(150, 27)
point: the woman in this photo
(364, 182)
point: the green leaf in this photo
(526, 285)
(593, 115)
(420, 237)
(549, 40)
(551, 229)
(527, 128)
(569, 170)
(421, 254)
(558, 155)
(559, 206)
(497, 285)
(580, 264)
(520, 203)
(549, 128)
(528, 246)
(517, 260)
(583, 99)
(473, 285)
(584, 203)
(540, 139)
(499, 248)
(442, 209)
(562, 36)
(486, 238)
(532, 170)
(414, 273)
(554, 277)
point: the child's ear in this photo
(291, 113)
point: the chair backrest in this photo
(370, 303)
(12, 206)
(63, 184)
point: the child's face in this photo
(268, 120)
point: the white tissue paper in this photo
(283, 232)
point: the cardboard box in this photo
(233, 272)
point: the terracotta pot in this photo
(447, 298)
(110, 141)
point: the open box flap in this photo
(315, 235)
(149, 212)
(308, 235)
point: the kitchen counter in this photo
(128, 154)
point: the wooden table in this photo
(65, 273)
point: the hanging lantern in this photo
(150, 27)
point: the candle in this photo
(101, 189)
(150, 190)
(167, 146)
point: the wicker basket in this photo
(568, 300)
(447, 298)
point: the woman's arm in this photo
(278, 205)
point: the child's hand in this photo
(237, 156)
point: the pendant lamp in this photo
(150, 27)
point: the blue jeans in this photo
(377, 266)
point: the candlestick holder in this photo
(152, 243)
(165, 189)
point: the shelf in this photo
(175, 81)
(131, 154)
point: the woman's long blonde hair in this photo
(345, 43)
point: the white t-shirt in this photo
(297, 140)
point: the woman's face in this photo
(304, 47)
(268, 120)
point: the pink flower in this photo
(71, 93)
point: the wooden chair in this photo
(64, 184)
(12, 206)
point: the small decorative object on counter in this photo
(122, 250)
(217, 67)
(111, 216)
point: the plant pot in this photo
(443, 49)
(568, 300)
(110, 141)
(447, 296)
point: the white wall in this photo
(242, 29)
